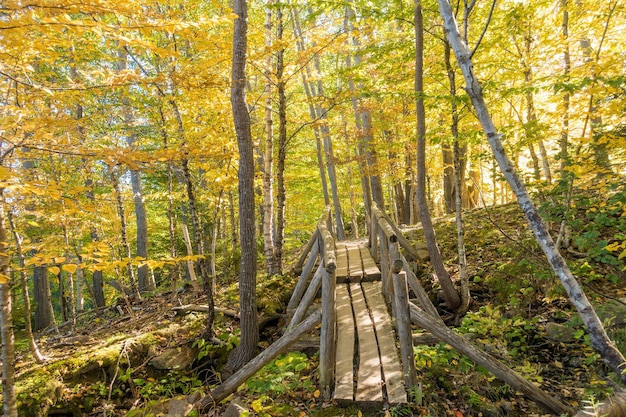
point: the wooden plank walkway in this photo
(355, 263)
(368, 369)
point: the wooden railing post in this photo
(374, 235)
(329, 316)
(403, 325)
(384, 265)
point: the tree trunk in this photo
(451, 295)
(448, 173)
(121, 212)
(281, 192)
(143, 272)
(247, 276)
(44, 314)
(458, 180)
(70, 284)
(175, 270)
(268, 155)
(96, 277)
(309, 92)
(566, 177)
(9, 397)
(364, 122)
(598, 337)
(531, 116)
(328, 151)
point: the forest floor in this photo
(134, 363)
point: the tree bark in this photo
(143, 272)
(281, 192)
(247, 277)
(44, 315)
(268, 154)
(9, 397)
(451, 295)
(123, 228)
(598, 337)
(97, 276)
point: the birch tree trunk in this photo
(458, 180)
(6, 325)
(566, 177)
(281, 192)
(247, 276)
(451, 295)
(599, 339)
(268, 154)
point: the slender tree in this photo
(6, 322)
(451, 295)
(248, 345)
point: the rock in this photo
(559, 333)
(174, 358)
(181, 407)
(235, 409)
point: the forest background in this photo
(115, 108)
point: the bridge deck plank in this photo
(369, 377)
(342, 262)
(370, 269)
(392, 371)
(344, 367)
(355, 269)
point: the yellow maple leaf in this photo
(71, 268)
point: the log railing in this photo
(322, 247)
(385, 244)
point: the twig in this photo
(117, 369)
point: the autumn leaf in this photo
(4, 279)
(71, 268)
(54, 270)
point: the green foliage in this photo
(284, 376)
(170, 385)
(598, 224)
(511, 336)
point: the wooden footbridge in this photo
(366, 345)
(359, 359)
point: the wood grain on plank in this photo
(355, 269)
(392, 371)
(344, 369)
(342, 262)
(369, 377)
(370, 269)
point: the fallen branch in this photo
(205, 309)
